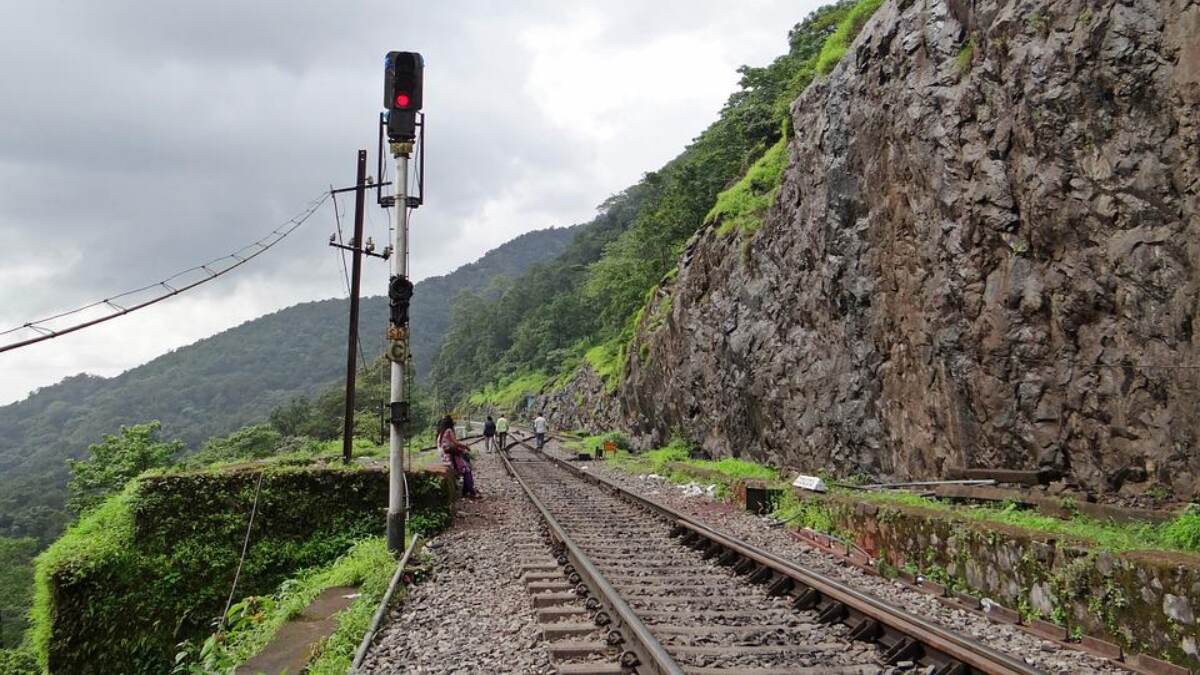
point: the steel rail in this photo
(360, 654)
(857, 609)
(651, 655)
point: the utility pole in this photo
(356, 247)
(403, 80)
(355, 276)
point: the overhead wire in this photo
(212, 269)
(362, 357)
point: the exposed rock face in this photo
(583, 403)
(984, 253)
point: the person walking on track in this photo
(489, 434)
(539, 429)
(454, 455)
(502, 432)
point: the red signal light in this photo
(402, 100)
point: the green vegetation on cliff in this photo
(741, 207)
(584, 305)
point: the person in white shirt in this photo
(539, 429)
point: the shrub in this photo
(607, 359)
(253, 442)
(154, 563)
(1184, 531)
(963, 60)
(115, 461)
(17, 662)
(616, 438)
(837, 44)
(253, 621)
(742, 207)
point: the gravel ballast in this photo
(473, 613)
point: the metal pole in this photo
(355, 276)
(399, 293)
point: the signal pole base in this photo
(395, 533)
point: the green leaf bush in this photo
(153, 565)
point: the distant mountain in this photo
(220, 383)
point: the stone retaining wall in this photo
(1143, 601)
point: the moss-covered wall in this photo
(1144, 601)
(154, 565)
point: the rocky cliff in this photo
(984, 253)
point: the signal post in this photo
(403, 90)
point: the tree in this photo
(16, 587)
(114, 461)
(252, 442)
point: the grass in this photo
(607, 359)
(1180, 534)
(665, 462)
(741, 208)
(1183, 532)
(837, 44)
(255, 620)
(100, 535)
(510, 391)
(963, 60)
(802, 513)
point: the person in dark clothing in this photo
(489, 434)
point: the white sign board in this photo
(810, 483)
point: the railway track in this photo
(670, 595)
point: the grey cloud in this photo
(137, 138)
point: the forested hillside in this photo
(217, 384)
(430, 311)
(584, 305)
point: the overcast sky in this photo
(139, 138)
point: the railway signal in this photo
(403, 85)
(403, 77)
(403, 93)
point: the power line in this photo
(337, 218)
(362, 356)
(211, 270)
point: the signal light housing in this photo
(403, 79)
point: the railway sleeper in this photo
(807, 600)
(904, 649)
(867, 630)
(834, 612)
(728, 558)
(780, 586)
(761, 575)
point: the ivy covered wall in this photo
(154, 565)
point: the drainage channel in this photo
(675, 596)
